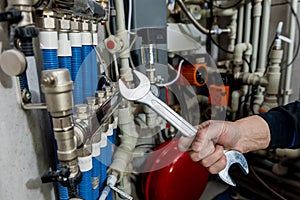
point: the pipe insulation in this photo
(96, 172)
(75, 38)
(49, 46)
(85, 186)
(94, 63)
(87, 46)
(64, 52)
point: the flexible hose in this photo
(85, 186)
(50, 59)
(77, 75)
(94, 70)
(23, 81)
(65, 62)
(86, 71)
(96, 177)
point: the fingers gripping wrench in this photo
(143, 94)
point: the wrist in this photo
(253, 133)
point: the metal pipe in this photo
(287, 83)
(57, 87)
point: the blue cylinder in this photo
(85, 186)
(77, 75)
(87, 71)
(50, 59)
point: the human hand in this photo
(213, 137)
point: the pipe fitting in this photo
(57, 86)
(64, 22)
(48, 20)
(75, 24)
(240, 50)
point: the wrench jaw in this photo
(136, 93)
(233, 157)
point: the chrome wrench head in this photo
(136, 93)
(233, 157)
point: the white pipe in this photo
(290, 54)
(247, 22)
(240, 24)
(240, 50)
(264, 37)
(257, 11)
(122, 33)
(232, 35)
(120, 14)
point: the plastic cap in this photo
(12, 62)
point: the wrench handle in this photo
(169, 114)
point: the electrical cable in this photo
(175, 79)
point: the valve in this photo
(12, 15)
(63, 176)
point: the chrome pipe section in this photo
(57, 87)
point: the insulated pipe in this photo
(49, 46)
(85, 186)
(288, 75)
(86, 39)
(64, 52)
(103, 158)
(94, 57)
(75, 38)
(96, 152)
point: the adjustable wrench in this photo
(143, 94)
